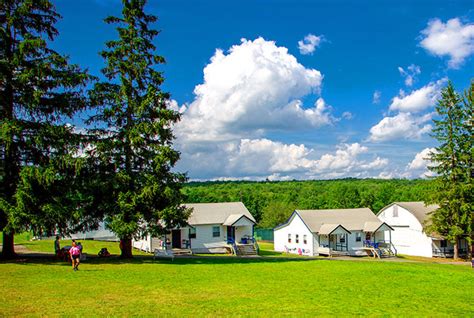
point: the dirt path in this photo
(22, 250)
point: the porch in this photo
(445, 249)
(333, 240)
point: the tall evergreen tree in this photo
(451, 163)
(39, 89)
(133, 153)
(469, 151)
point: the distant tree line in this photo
(271, 203)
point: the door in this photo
(176, 238)
(333, 241)
(230, 234)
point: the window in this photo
(358, 237)
(289, 238)
(216, 231)
(342, 239)
(395, 211)
(297, 238)
(192, 233)
(443, 243)
(305, 241)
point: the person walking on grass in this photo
(75, 253)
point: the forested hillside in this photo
(271, 203)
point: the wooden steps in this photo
(246, 249)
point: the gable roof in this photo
(418, 209)
(375, 226)
(350, 219)
(327, 229)
(234, 218)
(217, 213)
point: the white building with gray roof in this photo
(211, 228)
(314, 232)
(409, 220)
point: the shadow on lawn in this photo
(29, 259)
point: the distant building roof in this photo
(418, 209)
(218, 213)
(322, 221)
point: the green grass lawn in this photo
(238, 287)
(227, 286)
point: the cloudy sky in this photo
(290, 89)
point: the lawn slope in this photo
(230, 286)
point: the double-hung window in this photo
(297, 238)
(289, 238)
(216, 231)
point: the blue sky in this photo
(355, 100)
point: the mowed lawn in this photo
(227, 286)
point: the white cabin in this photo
(315, 232)
(212, 228)
(101, 234)
(409, 219)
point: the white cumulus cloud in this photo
(401, 126)
(418, 167)
(262, 158)
(250, 92)
(421, 159)
(453, 39)
(309, 44)
(419, 99)
(255, 87)
(343, 158)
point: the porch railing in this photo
(447, 252)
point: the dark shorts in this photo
(75, 256)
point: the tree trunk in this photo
(126, 248)
(456, 249)
(8, 249)
(472, 254)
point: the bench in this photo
(159, 253)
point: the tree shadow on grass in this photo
(30, 259)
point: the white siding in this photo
(352, 243)
(296, 226)
(242, 231)
(205, 241)
(143, 244)
(243, 222)
(408, 236)
(101, 234)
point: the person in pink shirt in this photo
(75, 253)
